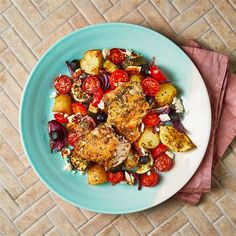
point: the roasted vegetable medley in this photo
(117, 118)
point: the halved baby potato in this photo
(175, 140)
(148, 139)
(92, 61)
(166, 94)
(97, 175)
(63, 104)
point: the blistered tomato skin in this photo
(62, 84)
(157, 151)
(118, 76)
(150, 86)
(116, 56)
(97, 97)
(151, 119)
(163, 163)
(116, 177)
(79, 108)
(60, 118)
(91, 84)
(157, 74)
(149, 179)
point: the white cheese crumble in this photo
(148, 173)
(105, 52)
(170, 154)
(164, 117)
(101, 105)
(53, 95)
(178, 105)
(65, 152)
(128, 52)
(142, 127)
(70, 118)
(142, 150)
(67, 167)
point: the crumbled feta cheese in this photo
(164, 117)
(105, 52)
(70, 118)
(53, 95)
(74, 172)
(67, 167)
(101, 105)
(142, 127)
(178, 105)
(142, 150)
(129, 178)
(148, 173)
(128, 52)
(170, 154)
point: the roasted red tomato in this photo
(72, 138)
(60, 118)
(116, 177)
(151, 119)
(150, 86)
(157, 74)
(79, 108)
(118, 76)
(149, 179)
(163, 162)
(158, 150)
(62, 84)
(97, 97)
(116, 56)
(91, 84)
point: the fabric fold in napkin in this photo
(221, 86)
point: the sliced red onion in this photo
(61, 142)
(162, 110)
(178, 125)
(104, 80)
(89, 120)
(136, 176)
(69, 68)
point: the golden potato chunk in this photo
(175, 140)
(97, 175)
(91, 62)
(62, 104)
(148, 139)
(166, 94)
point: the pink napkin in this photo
(221, 86)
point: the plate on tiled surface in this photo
(36, 105)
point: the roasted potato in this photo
(136, 78)
(62, 104)
(166, 94)
(148, 139)
(131, 161)
(97, 175)
(175, 140)
(92, 61)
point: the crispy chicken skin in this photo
(103, 146)
(126, 106)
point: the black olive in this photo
(145, 70)
(75, 64)
(144, 160)
(101, 117)
(149, 100)
(55, 135)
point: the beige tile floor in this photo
(27, 29)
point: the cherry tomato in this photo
(97, 97)
(108, 90)
(60, 118)
(158, 150)
(62, 83)
(116, 56)
(72, 138)
(149, 179)
(91, 84)
(150, 86)
(163, 162)
(151, 119)
(116, 177)
(79, 108)
(118, 76)
(157, 74)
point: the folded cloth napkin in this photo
(221, 86)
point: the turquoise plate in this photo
(36, 108)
